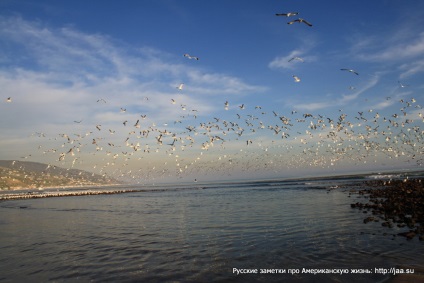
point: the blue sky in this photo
(69, 66)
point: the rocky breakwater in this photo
(397, 203)
(32, 195)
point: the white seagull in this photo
(296, 78)
(289, 14)
(300, 20)
(191, 57)
(350, 70)
(296, 58)
(9, 99)
(402, 85)
(180, 87)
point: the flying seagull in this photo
(9, 99)
(300, 20)
(402, 85)
(226, 105)
(180, 87)
(350, 70)
(287, 14)
(191, 57)
(296, 78)
(296, 58)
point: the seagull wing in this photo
(306, 22)
(296, 58)
(350, 70)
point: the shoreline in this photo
(394, 203)
(63, 187)
(388, 201)
(75, 191)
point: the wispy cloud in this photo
(64, 72)
(396, 51)
(343, 100)
(383, 104)
(314, 106)
(411, 68)
(282, 62)
(214, 83)
(400, 41)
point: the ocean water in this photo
(200, 233)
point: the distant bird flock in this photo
(253, 139)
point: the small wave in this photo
(384, 176)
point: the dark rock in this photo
(369, 219)
(409, 235)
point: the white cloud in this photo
(411, 68)
(65, 72)
(382, 105)
(55, 76)
(282, 62)
(314, 105)
(206, 83)
(391, 48)
(343, 100)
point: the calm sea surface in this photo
(199, 233)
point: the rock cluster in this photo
(397, 203)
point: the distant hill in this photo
(24, 174)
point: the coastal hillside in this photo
(16, 175)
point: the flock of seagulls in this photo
(249, 139)
(299, 20)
